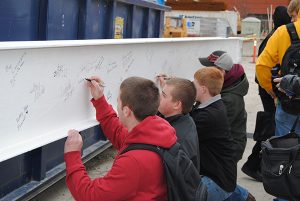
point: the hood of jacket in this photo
(281, 16)
(237, 78)
(153, 130)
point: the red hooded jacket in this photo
(137, 175)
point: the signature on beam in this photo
(22, 117)
(112, 66)
(14, 69)
(127, 61)
(37, 90)
(67, 91)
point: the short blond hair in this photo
(210, 77)
(294, 5)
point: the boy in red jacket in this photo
(135, 175)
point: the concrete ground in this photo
(102, 163)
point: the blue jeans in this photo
(284, 123)
(216, 193)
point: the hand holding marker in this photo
(163, 76)
(161, 79)
(101, 84)
(96, 86)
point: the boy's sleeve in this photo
(266, 61)
(120, 183)
(109, 122)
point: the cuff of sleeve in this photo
(103, 109)
(98, 102)
(73, 160)
(268, 88)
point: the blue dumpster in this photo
(100, 19)
(59, 19)
(19, 20)
(94, 19)
(80, 19)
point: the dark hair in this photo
(141, 96)
(183, 91)
(281, 16)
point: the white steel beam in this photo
(44, 94)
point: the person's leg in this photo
(214, 192)
(267, 100)
(253, 161)
(240, 194)
(252, 165)
(284, 122)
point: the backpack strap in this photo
(174, 149)
(149, 147)
(292, 31)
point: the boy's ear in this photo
(204, 89)
(178, 105)
(126, 111)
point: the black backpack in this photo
(291, 65)
(182, 177)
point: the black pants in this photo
(267, 101)
(254, 160)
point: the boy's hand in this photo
(96, 86)
(272, 94)
(73, 142)
(161, 79)
(278, 80)
(290, 94)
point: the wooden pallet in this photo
(177, 31)
(197, 6)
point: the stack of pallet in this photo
(175, 27)
(200, 5)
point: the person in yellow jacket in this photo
(275, 49)
(273, 54)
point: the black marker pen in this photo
(164, 77)
(101, 84)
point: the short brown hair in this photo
(141, 96)
(183, 91)
(210, 77)
(294, 5)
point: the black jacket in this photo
(216, 145)
(233, 99)
(186, 136)
(291, 85)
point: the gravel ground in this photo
(96, 167)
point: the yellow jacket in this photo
(273, 53)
